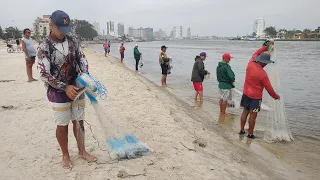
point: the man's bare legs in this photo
(29, 71)
(164, 80)
(223, 106)
(252, 121)
(62, 137)
(201, 97)
(79, 134)
(196, 96)
(244, 116)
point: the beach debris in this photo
(123, 174)
(6, 80)
(189, 149)
(7, 107)
(201, 144)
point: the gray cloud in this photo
(205, 17)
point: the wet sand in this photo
(186, 144)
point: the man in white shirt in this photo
(30, 53)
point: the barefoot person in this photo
(29, 51)
(198, 73)
(137, 56)
(256, 80)
(106, 47)
(122, 49)
(60, 60)
(164, 63)
(226, 78)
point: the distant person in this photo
(137, 56)
(164, 61)
(60, 61)
(109, 45)
(122, 49)
(197, 77)
(18, 45)
(30, 53)
(106, 48)
(226, 78)
(256, 80)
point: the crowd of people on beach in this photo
(61, 60)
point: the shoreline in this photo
(166, 123)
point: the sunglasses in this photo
(28, 32)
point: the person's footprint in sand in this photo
(66, 162)
(89, 158)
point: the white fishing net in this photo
(276, 126)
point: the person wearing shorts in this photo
(54, 52)
(226, 78)
(122, 49)
(164, 64)
(197, 77)
(106, 48)
(256, 80)
(30, 53)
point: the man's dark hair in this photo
(25, 30)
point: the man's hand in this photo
(208, 72)
(71, 92)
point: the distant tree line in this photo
(288, 34)
(81, 28)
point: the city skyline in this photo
(221, 18)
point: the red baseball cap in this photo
(226, 56)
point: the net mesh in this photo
(277, 126)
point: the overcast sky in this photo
(205, 17)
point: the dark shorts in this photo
(33, 59)
(164, 69)
(122, 54)
(250, 104)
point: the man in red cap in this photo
(226, 78)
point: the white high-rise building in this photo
(41, 26)
(177, 32)
(259, 27)
(96, 26)
(110, 28)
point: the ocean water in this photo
(298, 65)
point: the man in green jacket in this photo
(226, 78)
(137, 56)
(197, 77)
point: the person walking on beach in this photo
(137, 56)
(29, 52)
(256, 80)
(18, 45)
(106, 48)
(122, 49)
(197, 77)
(226, 78)
(60, 61)
(164, 63)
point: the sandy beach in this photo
(29, 150)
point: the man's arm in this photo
(201, 68)
(230, 74)
(266, 83)
(45, 75)
(83, 60)
(258, 52)
(24, 49)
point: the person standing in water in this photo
(29, 52)
(164, 61)
(137, 56)
(256, 80)
(106, 47)
(60, 61)
(197, 77)
(122, 49)
(226, 78)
